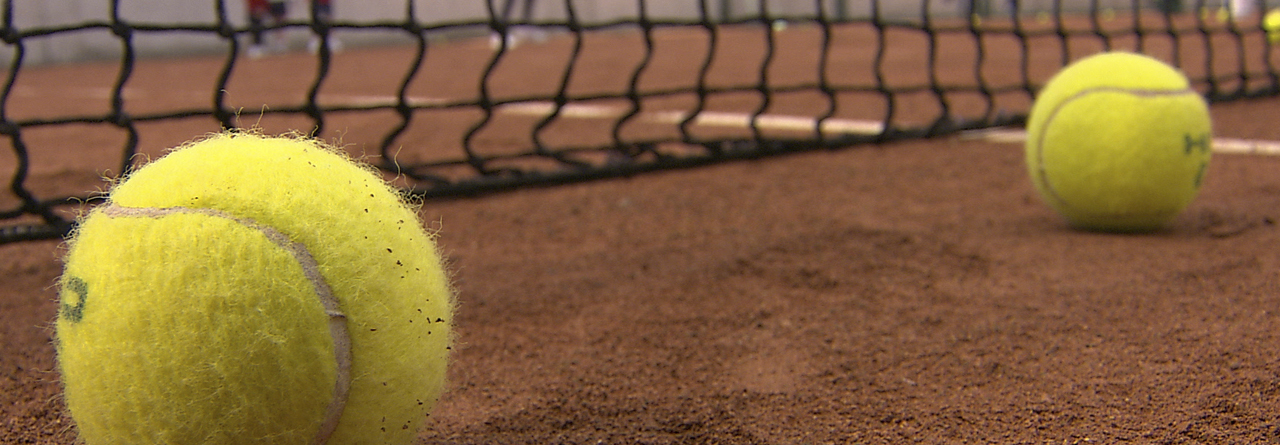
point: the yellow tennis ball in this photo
(1118, 142)
(246, 289)
(1271, 23)
(1223, 15)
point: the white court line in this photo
(583, 111)
(829, 126)
(772, 122)
(705, 118)
(591, 111)
(1246, 146)
(376, 101)
(1220, 145)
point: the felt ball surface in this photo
(1118, 142)
(248, 289)
(1271, 23)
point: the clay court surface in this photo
(912, 292)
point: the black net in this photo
(488, 103)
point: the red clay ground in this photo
(917, 292)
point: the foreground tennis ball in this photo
(246, 290)
(1118, 142)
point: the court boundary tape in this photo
(769, 122)
(831, 125)
(1220, 144)
(772, 122)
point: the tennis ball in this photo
(1118, 142)
(246, 289)
(1271, 23)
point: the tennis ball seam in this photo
(342, 348)
(1043, 175)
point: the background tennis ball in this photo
(245, 289)
(1118, 142)
(1271, 23)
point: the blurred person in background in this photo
(518, 31)
(322, 12)
(264, 14)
